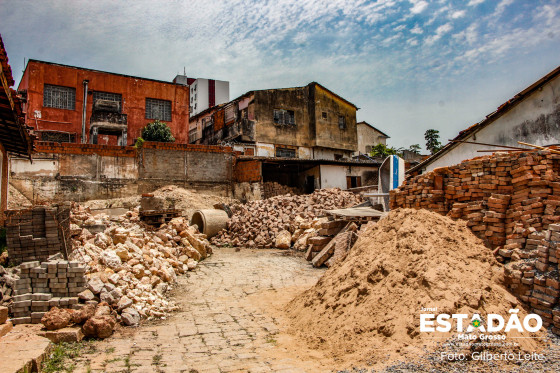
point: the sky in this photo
(409, 65)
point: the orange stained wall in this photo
(134, 92)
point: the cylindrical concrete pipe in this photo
(210, 222)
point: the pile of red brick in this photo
(258, 223)
(272, 189)
(511, 201)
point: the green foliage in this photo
(432, 140)
(381, 150)
(415, 148)
(139, 143)
(157, 131)
(62, 356)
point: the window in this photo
(284, 117)
(284, 152)
(337, 157)
(59, 97)
(341, 122)
(324, 115)
(353, 181)
(116, 97)
(158, 109)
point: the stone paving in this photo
(217, 329)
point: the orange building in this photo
(114, 112)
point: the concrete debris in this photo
(130, 266)
(263, 224)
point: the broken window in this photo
(229, 113)
(59, 97)
(341, 122)
(158, 109)
(284, 152)
(284, 117)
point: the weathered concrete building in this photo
(301, 138)
(14, 136)
(72, 104)
(309, 122)
(531, 116)
(368, 137)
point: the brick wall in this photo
(247, 171)
(512, 202)
(37, 233)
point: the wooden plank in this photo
(327, 252)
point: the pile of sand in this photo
(368, 306)
(186, 200)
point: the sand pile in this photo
(369, 305)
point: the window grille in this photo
(158, 109)
(59, 97)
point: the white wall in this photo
(333, 176)
(265, 150)
(533, 120)
(325, 153)
(222, 92)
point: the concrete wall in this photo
(369, 136)
(328, 132)
(535, 120)
(75, 172)
(134, 92)
(334, 176)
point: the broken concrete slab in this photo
(22, 350)
(69, 334)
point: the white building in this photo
(204, 93)
(531, 116)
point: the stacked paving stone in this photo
(272, 189)
(55, 283)
(258, 223)
(334, 239)
(512, 201)
(37, 233)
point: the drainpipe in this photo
(84, 108)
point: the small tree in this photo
(432, 140)
(157, 131)
(381, 150)
(414, 148)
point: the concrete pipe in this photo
(210, 222)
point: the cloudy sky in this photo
(409, 65)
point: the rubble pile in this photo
(8, 278)
(281, 220)
(131, 266)
(273, 189)
(512, 201)
(97, 321)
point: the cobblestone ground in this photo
(217, 329)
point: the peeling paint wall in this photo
(535, 120)
(74, 174)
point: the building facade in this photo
(72, 104)
(368, 137)
(309, 122)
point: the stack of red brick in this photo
(511, 201)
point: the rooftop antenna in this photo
(184, 70)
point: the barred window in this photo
(158, 109)
(341, 122)
(284, 152)
(285, 117)
(59, 97)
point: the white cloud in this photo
(418, 6)
(475, 2)
(440, 31)
(458, 14)
(417, 30)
